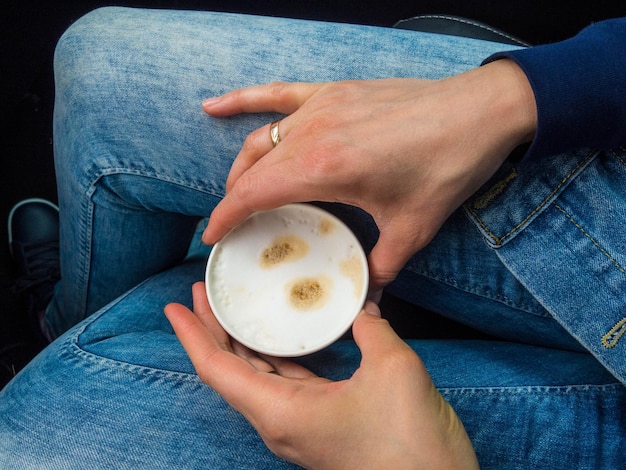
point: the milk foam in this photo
(287, 282)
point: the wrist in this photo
(487, 112)
(514, 108)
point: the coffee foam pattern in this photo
(287, 282)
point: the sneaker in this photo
(34, 245)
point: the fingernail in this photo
(205, 237)
(371, 308)
(207, 240)
(207, 103)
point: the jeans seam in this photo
(532, 389)
(595, 243)
(155, 174)
(86, 245)
(74, 350)
(500, 240)
(486, 294)
(615, 334)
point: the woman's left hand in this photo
(387, 415)
(407, 151)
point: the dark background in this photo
(31, 28)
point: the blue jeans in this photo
(139, 164)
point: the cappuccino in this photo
(287, 282)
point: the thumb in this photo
(372, 308)
(373, 334)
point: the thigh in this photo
(459, 276)
(130, 136)
(118, 391)
(531, 407)
(130, 82)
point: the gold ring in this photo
(274, 135)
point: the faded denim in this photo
(534, 258)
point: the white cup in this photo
(289, 281)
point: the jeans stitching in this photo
(483, 201)
(498, 241)
(73, 349)
(76, 351)
(487, 294)
(155, 174)
(86, 244)
(612, 337)
(591, 239)
(551, 390)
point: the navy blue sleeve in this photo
(580, 89)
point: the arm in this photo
(422, 147)
(387, 415)
(579, 89)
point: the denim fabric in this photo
(138, 164)
(119, 392)
(135, 153)
(564, 240)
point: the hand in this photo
(407, 151)
(387, 415)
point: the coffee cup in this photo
(287, 282)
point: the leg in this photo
(118, 391)
(136, 159)
(457, 275)
(126, 148)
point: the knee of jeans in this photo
(73, 46)
(81, 56)
(85, 81)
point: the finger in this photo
(252, 357)
(260, 188)
(197, 340)
(198, 334)
(278, 97)
(228, 374)
(375, 294)
(258, 144)
(204, 313)
(290, 369)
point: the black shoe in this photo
(34, 245)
